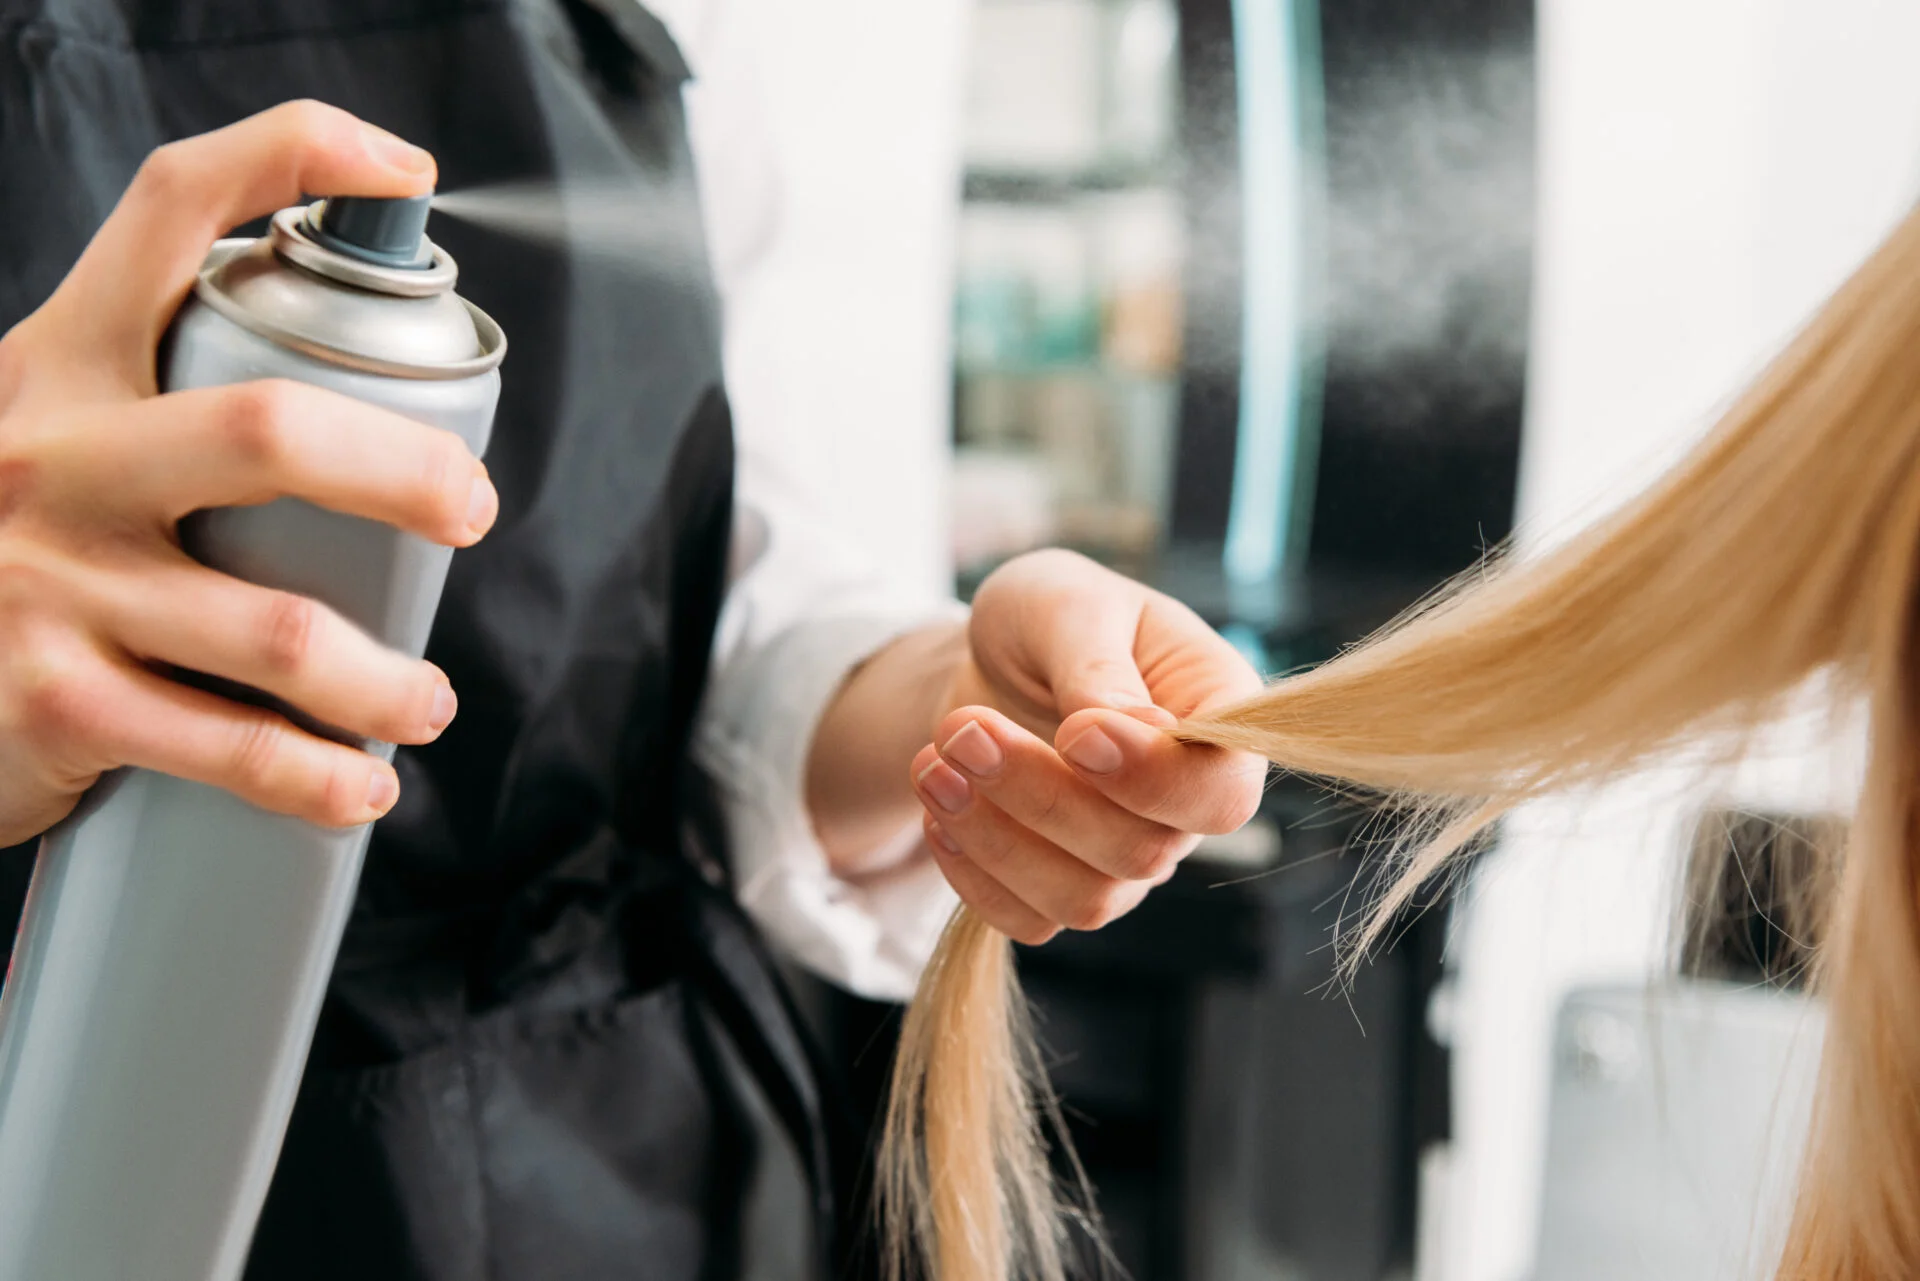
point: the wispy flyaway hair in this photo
(1786, 545)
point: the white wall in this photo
(1709, 169)
(834, 128)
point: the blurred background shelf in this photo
(986, 186)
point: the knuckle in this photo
(443, 466)
(257, 743)
(1097, 909)
(119, 542)
(309, 125)
(343, 793)
(1020, 576)
(164, 175)
(1046, 808)
(987, 847)
(309, 119)
(287, 626)
(1036, 934)
(1154, 857)
(53, 695)
(1082, 916)
(254, 420)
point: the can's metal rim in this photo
(493, 340)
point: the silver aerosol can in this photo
(177, 941)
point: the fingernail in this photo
(948, 790)
(383, 789)
(397, 153)
(974, 750)
(943, 838)
(445, 704)
(482, 503)
(1094, 752)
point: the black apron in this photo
(552, 1047)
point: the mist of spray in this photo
(602, 220)
(1420, 252)
(1426, 238)
(1429, 227)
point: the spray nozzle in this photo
(389, 232)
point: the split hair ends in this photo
(1785, 546)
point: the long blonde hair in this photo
(1785, 545)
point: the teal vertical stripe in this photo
(1277, 69)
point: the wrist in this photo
(858, 792)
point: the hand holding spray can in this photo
(178, 940)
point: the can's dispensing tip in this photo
(391, 232)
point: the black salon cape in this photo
(552, 1049)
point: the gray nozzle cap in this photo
(391, 232)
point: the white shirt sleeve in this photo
(805, 608)
(836, 347)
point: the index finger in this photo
(119, 297)
(246, 443)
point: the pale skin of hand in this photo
(1032, 742)
(97, 600)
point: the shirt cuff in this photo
(872, 936)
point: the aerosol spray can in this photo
(177, 940)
